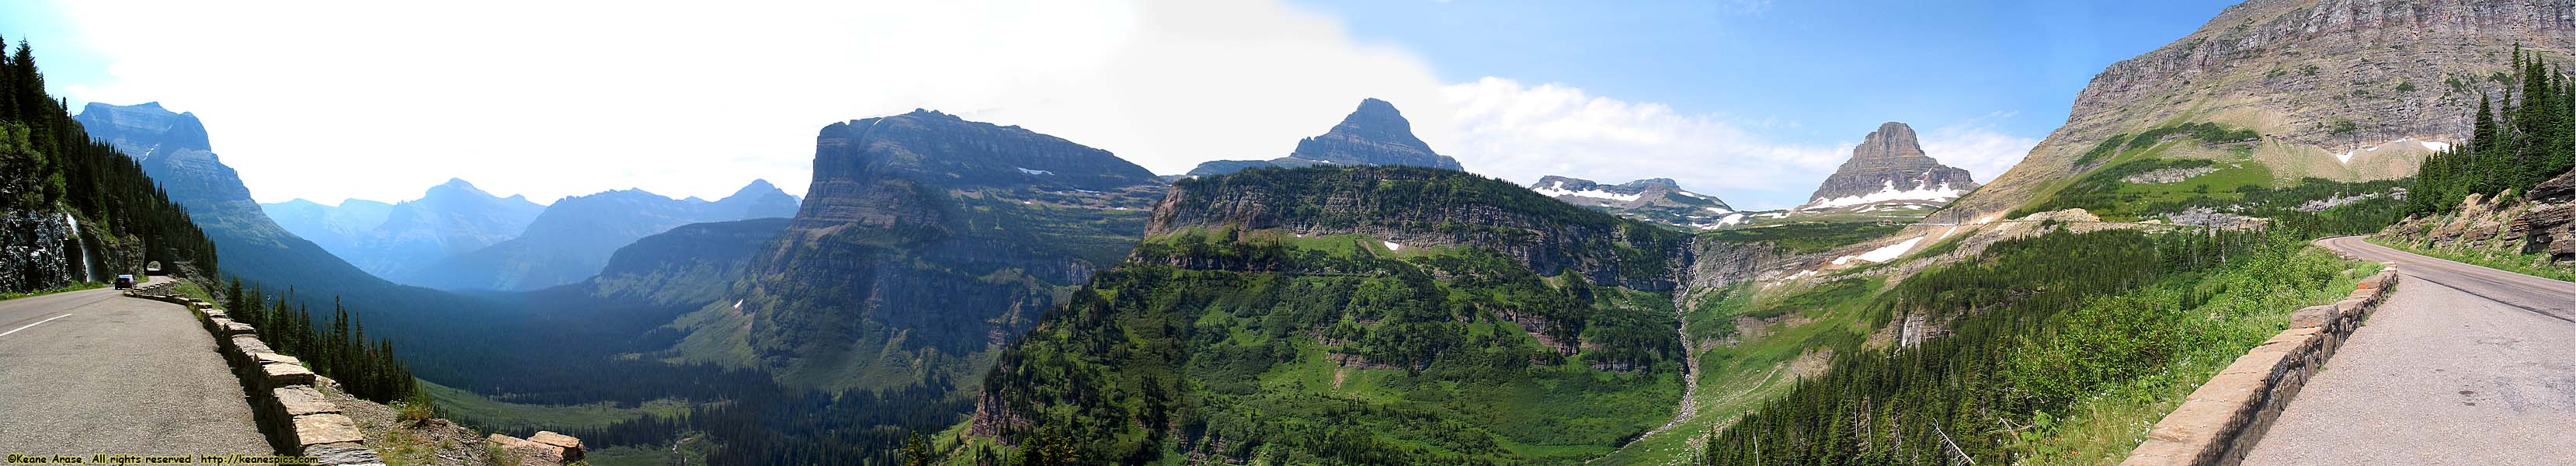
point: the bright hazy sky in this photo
(1751, 101)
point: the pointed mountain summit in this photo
(1659, 200)
(450, 218)
(1374, 134)
(756, 200)
(1889, 171)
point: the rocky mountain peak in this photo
(1892, 140)
(1373, 134)
(456, 187)
(1889, 170)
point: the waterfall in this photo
(84, 247)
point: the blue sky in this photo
(1817, 70)
(1755, 102)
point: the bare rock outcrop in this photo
(2542, 222)
(543, 449)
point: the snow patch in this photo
(737, 304)
(1730, 219)
(1943, 193)
(2436, 146)
(1033, 172)
(1391, 246)
(1558, 189)
(1887, 253)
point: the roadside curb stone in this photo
(2219, 423)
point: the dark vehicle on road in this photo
(124, 281)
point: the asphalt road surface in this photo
(91, 372)
(2463, 365)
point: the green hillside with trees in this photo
(49, 164)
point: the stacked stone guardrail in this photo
(2220, 423)
(294, 415)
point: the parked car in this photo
(124, 282)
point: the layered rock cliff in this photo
(1420, 207)
(1374, 134)
(1888, 171)
(926, 240)
(2337, 89)
(1659, 200)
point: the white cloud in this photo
(1521, 132)
(379, 100)
(1976, 146)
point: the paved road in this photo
(2464, 365)
(94, 372)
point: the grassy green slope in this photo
(1347, 352)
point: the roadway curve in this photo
(2463, 365)
(94, 372)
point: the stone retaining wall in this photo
(2220, 423)
(294, 415)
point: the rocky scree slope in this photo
(1374, 134)
(1658, 200)
(926, 241)
(2338, 89)
(1412, 315)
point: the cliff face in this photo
(1889, 171)
(1374, 134)
(2337, 89)
(926, 240)
(1420, 207)
(1659, 200)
